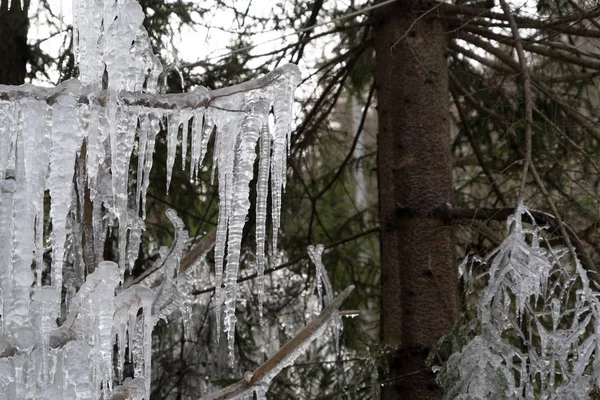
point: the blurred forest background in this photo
(332, 187)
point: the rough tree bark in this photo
(14, 25)
(419, 285)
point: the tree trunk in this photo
(13, 42)
(418, 276)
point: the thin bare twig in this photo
(529, 166)
(482, 228)
(478, 155)
(526, 93)
(420, 17)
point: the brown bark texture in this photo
(419, 286)
(14, 51)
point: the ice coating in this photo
(325, 289)
(74, 144)
(532, 291)
(257, 382)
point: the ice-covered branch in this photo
(196, 254)
(260, 379)
(538, 217)
(535, 334)
(200, 98)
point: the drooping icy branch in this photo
(538, 318)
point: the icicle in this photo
(87, 34)
(65, 142)
(197, 155)
(123, 72)
(95, 150)
(8, 186)
(282, 108)
(148, 324)
(22, 249)
(261, 392)
(242, 175)
(224, 145)
(262, 191)
(127, 305)
(27, 202)
(168, 296)
(185, 119)
(200, 137)
(315, 256)
(76, 224)
(6, 229)
(173, 130)
(137, 71)
(99, 226)
(131, 328)
(120, 34)
(151, 127)
(46, 310)
(122, 141)
(142, 134)
(121, 326)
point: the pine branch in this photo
(481, 228)
(564, 25)
(474, 102)
(552, 49)
(527, 95)
(571, 112)
(476, 150)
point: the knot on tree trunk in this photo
(442, 212)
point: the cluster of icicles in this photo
(60, 319)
